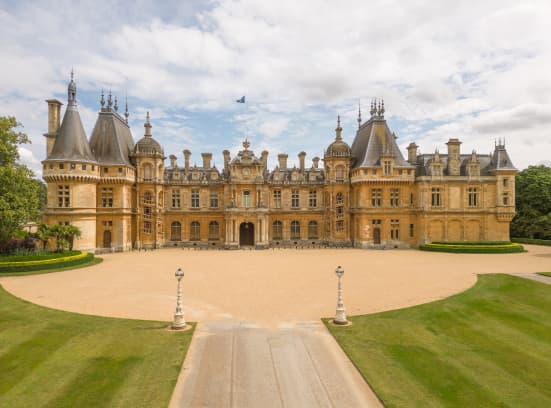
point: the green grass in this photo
(473, 247)
(50, 358)
(42, 255)
(47, 265)
(489, 346)
(545, 274)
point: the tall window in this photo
(376, 197)
(505, 183)
(214, 230)
(213, 199)
(339, 173)
(147, 172)
(435, 197)
(176, 231)
(313, 199)
(147, 198)
(277, 198)
(411, 230)
(63, 196)
(295, 230)
(387, 168)
(277, 230)
(312, 230)
(176, 199)
(147, 227)
(339, 225)
(505, 198)
(195, 198)
(246, 198)
(473, 197)
(295, 199)
(107, 197)
(195, 231)
(394, 197)
(147, 212)
(395, 229)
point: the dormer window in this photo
(387, 167)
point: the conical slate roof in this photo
(71, 143)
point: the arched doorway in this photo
(107, 239)
(376, 236)
(246, 233)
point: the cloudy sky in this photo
(476, 70)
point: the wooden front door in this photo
(376, 235)
(246, 233)
(107, 239)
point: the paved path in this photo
(235, 364)
(534, 276)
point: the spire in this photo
(102, 101)
(126, 114)
(116, 104)
(147, 126)
(373, 110)
(382, 109)
(359, 114)
(338, 130)
(109, 101)
(72, 91)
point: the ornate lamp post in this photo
(179, 323)
(340, 315)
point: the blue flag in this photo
(241, 100)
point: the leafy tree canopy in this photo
(533, 203)
(21, 195)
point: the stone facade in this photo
(121, 195)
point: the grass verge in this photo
(545, 274)
(488, 346)
(48, 269)
(51, 358)
(50, 264)
(473, 247)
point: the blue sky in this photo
(473, 70)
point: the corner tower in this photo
(70, 171)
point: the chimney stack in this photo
(412, 153)
(187, 155)
(54, 123)
(264, 157)
(206, 160)
(282, 159)
(226, 154)
(315, 162)
(172, 161)
(301, 157)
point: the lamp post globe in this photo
(340, 314)
(179, 322)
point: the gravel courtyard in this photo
(272, 287)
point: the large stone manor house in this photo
(122, 195)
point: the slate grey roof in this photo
(501, 159)
(71, 143)
(111, 141)
(373, 140)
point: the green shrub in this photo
(473, 247)
(37, 256)
(532, 241)
(57, 263)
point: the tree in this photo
(19, 191)
(64, 236)
(43, 233)
(533, 203)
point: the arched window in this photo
(195, 231)
(214, 230)
(176, 231)
(339, 173)
(277, 230)
(312, 230)
(339, 198)
(295, 230)
(246, 198)
(147, 172)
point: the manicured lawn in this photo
(50, 358)
(49, 268)
(489, 346)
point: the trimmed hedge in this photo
(473, 247)
(532, 241)
(37, 257)
(48, 264)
